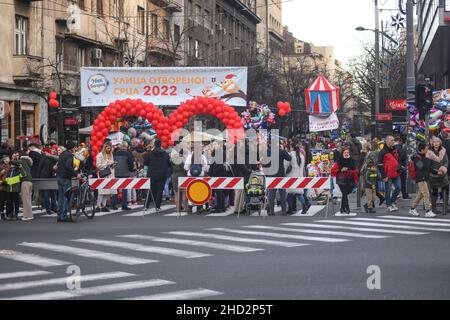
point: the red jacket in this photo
(390, 164)
(335, 172)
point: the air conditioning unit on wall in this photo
(97, 54)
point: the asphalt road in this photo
(198, 257)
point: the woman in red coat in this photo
(346, 172)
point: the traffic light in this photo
(411, 99)
(424, 99)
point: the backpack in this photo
(412, 170)
(195, 170)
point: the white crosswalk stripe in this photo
(180, 295)
(384, 225)
(97, 290)
(63, 280)
(237, 239)
(227, 213)
(87, 253)
(280, 235)
(22, 274)
(144, 248)
(151, 210)
(220, 246)
(313, 210)
(431, 224)
(324, 226)
(32, 259)
(415, 219)
(335, 233)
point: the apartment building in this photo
(270, 32)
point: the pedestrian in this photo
(46, 170)
(5, 149)
(403, 161)
(277, 165)
(420, 167)
(372, 156)
(217, 169)
(389, 167)
(124, 167)
(35, 153)
(64, 174)
(355, 147)
(438, 176)
(13, 188)
(296, 169)
(196, 165)
(346, 172)
(371, 179)
(242, 170)
(5, 167)
(25, 164)
(159, 164)
(176, 159)
(105, 165)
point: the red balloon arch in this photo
(164, 127)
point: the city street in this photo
(130, 256)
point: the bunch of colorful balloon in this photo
(261, 117)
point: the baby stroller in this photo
(255, 194)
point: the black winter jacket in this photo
(46, 166)
(282, 155)
(159, 164)
(65, 168)
(36, 157)
(124, 165)
(422, 167)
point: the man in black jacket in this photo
(124, 166)
(46, 170)
(35, 154)
(64, 174)
(158, 162)
(403, 161)
(278, 163)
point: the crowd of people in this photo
(379, 167)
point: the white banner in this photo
(163, 86)
(317, 124)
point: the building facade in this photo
(433, 40)
(270, 32)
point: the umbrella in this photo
(86, 131)
(322, 96)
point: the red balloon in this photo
(53, 95)
(179, 124)
(107, 123)
(282, 113)
(149, 116)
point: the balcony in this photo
(26, 68)
(168, 5)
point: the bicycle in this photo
(82, 200)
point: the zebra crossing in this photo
(154, 247)
(54, 287)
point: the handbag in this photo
(289, 169)
(104, 173)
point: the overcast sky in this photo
(333, 22)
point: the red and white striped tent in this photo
(322, 96)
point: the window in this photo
(154, 21)
(116, 8)
(189, 9)
(81, 4)
(141, 20)
(176, 33)
(100, 8)
(166, 29)
(198, 14)
(20, 36)
(191, 46)
(197, 53)
(207, 20)
(59, 54)
(81, 53)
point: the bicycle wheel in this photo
(89, 205)
(74, 211)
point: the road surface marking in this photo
(372, 224)
(313, 210)
(335, 233)
(32, 259)
(310, 225)
(151, 210)
(63, 280)
(417, 219)
(279, 235)
(227, 213)
(180, 295)
(117, 287)
(87, 253)
(237, 239)
(144, 248)
(22, 274)
(431, 224)
(221, 246)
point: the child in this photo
(421, 166)
(371, 184)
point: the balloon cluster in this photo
(165, 128)
(283, 108)
(139, 129)
(52, 102)
(439, 118)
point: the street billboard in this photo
(163, 86)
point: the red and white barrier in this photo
(119, 183)
(214, 183)
(298, 183)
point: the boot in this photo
(2, 216)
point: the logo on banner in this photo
(97, 83)
(317, 124)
